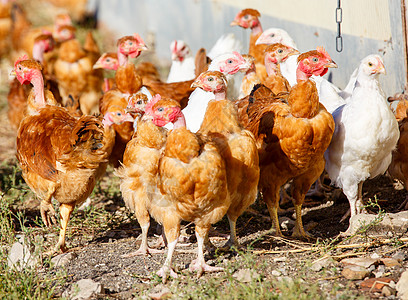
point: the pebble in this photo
(276, 273)
(387, 291)
(84, 289)
(402, 286)
(321, 263)
(280, 259)
(246, 275)
(364, 262)
(20, 257)
(390, 262)
(354, 272)
(61, 260)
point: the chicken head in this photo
(107, 61)
(246, 18)
(179, 50)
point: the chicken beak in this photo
(294, 52)
(128, 118)
(97, 65)
(330, 64)
(234, 23)
(195, 85)
(380, 69)
(143, 48)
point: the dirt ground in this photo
(97, 251)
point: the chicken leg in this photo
(354, 195)
(143, 218)
(66, 210)
(199, 264)
(271, 198)
(171, 227)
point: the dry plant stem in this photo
(350, 246)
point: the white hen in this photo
(366, 133)
(228, 64)
(183, 63)
(182, 66)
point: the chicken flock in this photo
(225, 128)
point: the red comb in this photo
(239, 56)
(21, 58)
(175, 46)
(151, 103)
(324, 52)
(138, 38)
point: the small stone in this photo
(365, 262)
(279, 259)
(354, 272)
(400, 256)
(402, 286)
(387, 291)
(163, 293)
(246, 275)
(61, 260)
(276, 273)
(20, 257)
(390, 262)
(321, 263)
(375, 256)
(286, 223)
(374, 284)
(286, 279)
(83, 290)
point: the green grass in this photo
(261, 285)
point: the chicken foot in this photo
(47, 213)
(144, 248)
(47, 209)
(199, 264)
(299, 231)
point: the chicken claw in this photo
(165, 271)
(200, 266)
(142, 251)
(47, 213)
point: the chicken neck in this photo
(256, 29)
(38, 51)
(180, 122)
(38, 86)
(271, 67)
(122, 58)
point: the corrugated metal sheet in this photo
(369, 26)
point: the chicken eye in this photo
(246, 17)
(130, 43)
(160, 109)
(280, 50)
(229, 61)
(108, 60)
(370, 64)
(272, 35)
(139, 102)
(118, 114)
(19, 67)
(210, 79)
(315, 59)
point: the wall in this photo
(369, 26)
